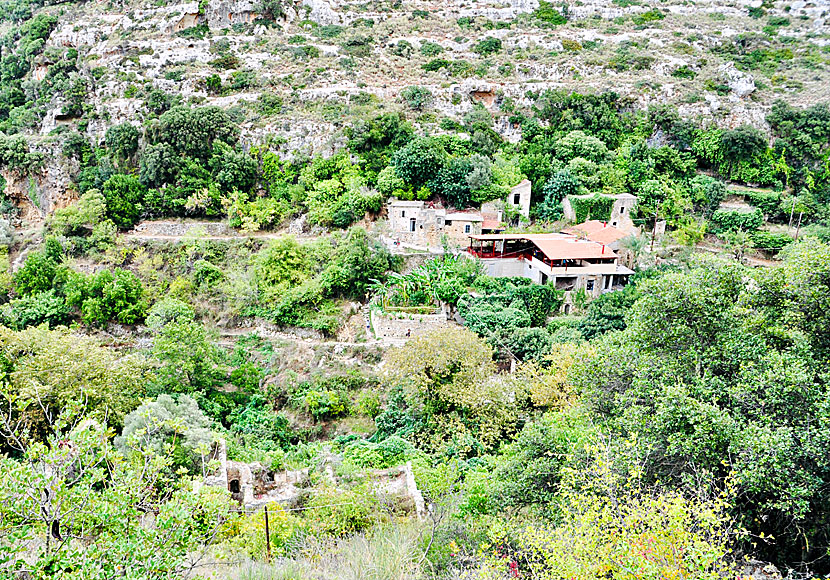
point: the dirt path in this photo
(228, 334)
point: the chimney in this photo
(603, 249)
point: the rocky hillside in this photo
(293, 74)
(300, 71)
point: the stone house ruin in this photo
(254, 485)
(425, 223)
(620, 218)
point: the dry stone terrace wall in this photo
(395, 325)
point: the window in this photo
(467, 229)
(622, 209)
(589, 285)
(516, 199)
(411, 224)
(448, 223)
(614, 224)
(403, 213)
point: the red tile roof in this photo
(557, 246)
(596, 231)
(491, 225)
(571, 248)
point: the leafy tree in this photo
(376, 139)
(37, 387)
(160, 164)
(560, 185)
(37, 273)
(611, 525)
(529, 343)
(578, 144)
(124, 194)
(528, 472)
(606, 313)
(451, 182)
(745, 143)
(281, 264)
(487, 46)
(168, 426)
(449, 376)
(707, 194)
(711, 366)
(417, 98)
(117, 296)
(169, 310)
(192, 132)
(233, 170)
(35, 309)
(75, 484)
(158, 101)
(122, 140)
(186, 360)
(419, 161)
(80, 217)
(357, 263)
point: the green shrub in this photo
(417, 98)
(429, 48)
(769, 241)
(436, 64)
(403, 48)
(207, 274)
(653, 15)
(735, 220)
(124, 195)
(36, 309)
(122, 140)
(767, 201)
(169, 310)
(339, 513)
(548, 14)
(684, 72)
(195, 32)
(488, 46)
(36, 275)
(112, 296)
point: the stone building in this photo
(519, 198)
(620, 218)
(422, 223)
(568, 262)
(425, 223)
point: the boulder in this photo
(740, 84)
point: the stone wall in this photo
(394, 325)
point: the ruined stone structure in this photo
(519, 198)
(253, 485)
(424, 224)
(402, 325)
(620, 218)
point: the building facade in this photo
(425, 223)
(566, 261)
